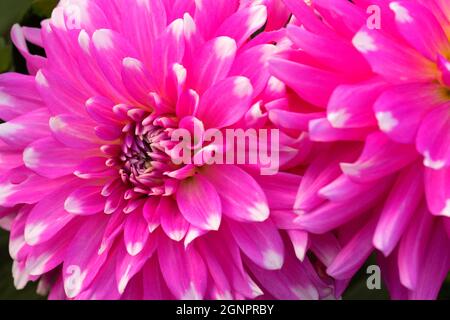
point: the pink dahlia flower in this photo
(96, 204)
(377, 102)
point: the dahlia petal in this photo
(261, 242)
(150, 19)
(253, 64)
(51, 159)
(333, 214)
(282, 188)
(18, 248)
(332, 53)
(411, 252)
(48, 216)
(220, 10)
(187, 104)
(299, 240)
(110, 48)
(154, 286)
(48, 255)
(169, 49)
(137, 80)
(73, 131)
(150, 213)
(391, 59)
(18, 95)
(21, 185)
(371, 165)
(218, 113)
(437, 191)
(103, 288)
(10, 159)
(203, 213)
(289, 283)
(184, 270)
(401, 109)
(326, 247)
(434, 267)
(420, 28)
(82, 261)
(113, 228)
(217, 271)
(172, 221)
(18, 37)
(312, 84)
(17, 134)
(212, 64)
(433, 138)
(391, 277)
(350, 106)
(293, 120)
(307, 17)
(354, 253)
(343, 189)
(100, 109)
(129, 265)
(321, 130)
(85, 201)
(251, 19)
(230, 181)
(398, 209)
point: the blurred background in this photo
(30, 13)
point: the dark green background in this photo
(30, 13)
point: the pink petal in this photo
(212, 63)
(17, 134)
(85, 201)
(199, 203)
(438, 191)
(129, 265)
(311, 84)
(251, 19)
(401, 109)
(74, 131)
(172, 221)
(230, 182)
(218, 113)
(183, 270)
(372, 165)
(354, 253)
(52, 159)
(398, 209)
(412, 252)
(82, 261)
(420, 28)
(433, 138)
(261, 242)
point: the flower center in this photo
(144, 158)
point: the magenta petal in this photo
(433, 138)
(199, 203)
(172, 221)
(216, 112)
(85, 201)
(82, 261)
(261, 242)
(182, 269)
(230, 182)
(437, 189)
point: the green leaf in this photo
(12, 11)
(43, 8)
(5, 55)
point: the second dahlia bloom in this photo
(97, 207)
(377, 102)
